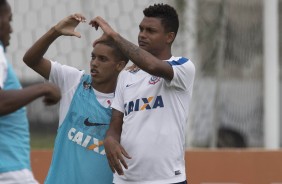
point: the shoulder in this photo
(130, 72)
(178, 61)
(181, 62)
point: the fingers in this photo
(77, 34)
(95, 22)
(79, 17)
(49, 101)
(114, 161)
(116, 164)
(115, 154)
(52, 94)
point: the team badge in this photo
(86, 85)
(154, 80)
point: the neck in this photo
(164, 54)
(106, 87)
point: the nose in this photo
(94, 62)
(142, 34)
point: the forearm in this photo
(114, 131)
(11, 100)
(143, 59)
(36, 52)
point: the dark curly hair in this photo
(117, 51)
(3, 2)
(167, 14)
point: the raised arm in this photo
(114, 150)
(34, 56)
(12, 100)
(143, 59)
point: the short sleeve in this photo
(184, 73)
(66, 77)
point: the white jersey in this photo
(155, 114)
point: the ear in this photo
(170, 37)
(120, 66)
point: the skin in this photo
(6, 28)
(104, 67)
(154, 47)
(11, 100)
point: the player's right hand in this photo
(67, 26)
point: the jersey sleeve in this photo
(66, 77)
(118, 102)
(184, 73)
(3, 67)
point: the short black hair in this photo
(117, 51)
(167, 14)
(3, 3)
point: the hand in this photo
(52, 95)
(67, 25)
(115, 153)
(107, 29)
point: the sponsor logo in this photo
(87, 123)
(128, 85)
(178, 172)
(143, 104)
(86, 141)
(134, 70)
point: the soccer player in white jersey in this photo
(79, 155)
(145, 141)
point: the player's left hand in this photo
(109, 33)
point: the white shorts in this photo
(24, 176)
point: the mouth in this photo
(93, 72)
(142, 43)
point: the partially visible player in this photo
(14, 129)
(145, 143)
(79, 155)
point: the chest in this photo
(142, 85)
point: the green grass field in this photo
(42, 140)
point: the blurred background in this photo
(236, 94)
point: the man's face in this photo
(104, 66)
(5, 25)
(152, 36)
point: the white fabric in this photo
(154, 137)
(3, 67)
(24, 176)
(68, 78)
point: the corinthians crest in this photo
(154, 80)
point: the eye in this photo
(102, 58)
(93, 56)
(151, 30)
